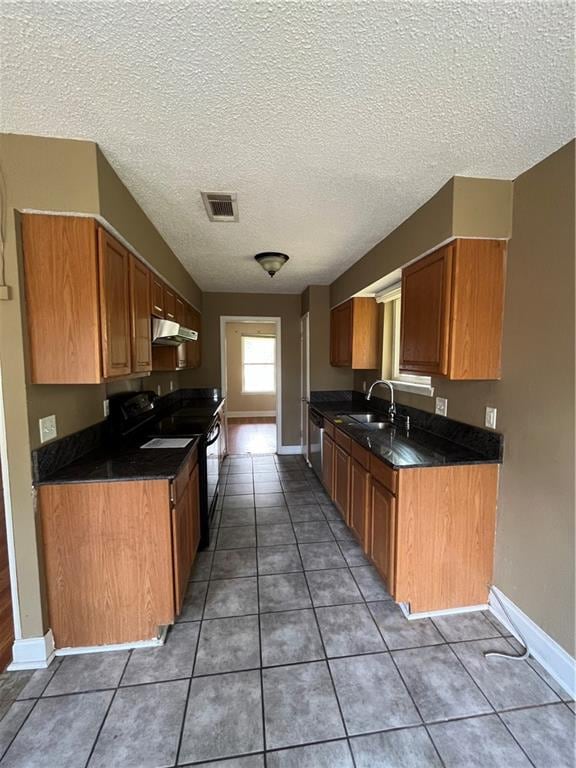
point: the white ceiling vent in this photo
(221, 206)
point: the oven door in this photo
(213, 459)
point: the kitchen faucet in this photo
(392, 408)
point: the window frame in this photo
(406, 382)
(244, 364)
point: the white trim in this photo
(8, 512)
(289, 449)
(405, 608)
(32, 652)
(426, 390)
(154, 642)
(224, 319)
(391, 293)
(249, 414)
(555, 660)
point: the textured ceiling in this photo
(333, 120)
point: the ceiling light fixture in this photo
(271, 262)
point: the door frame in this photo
(8, 512)
(277, 321)
(304, 380)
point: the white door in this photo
(305, 382)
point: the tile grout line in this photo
(335, 692)
(261, 670)
(187, 702)
(108, 708)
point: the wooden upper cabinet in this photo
(354, 334)
(452, 311)
(114, 261)
(156, 296)
(62, 299)
(169, 304)
(192, 347)
(140, 320)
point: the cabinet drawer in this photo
(384, 474)
(361, 455)
(343, 440)
(329, 428)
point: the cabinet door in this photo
(328, 464)
(169, 304)
(195, 510)
(359, 502)
(341, 335)
(193, 347)
(141, 326)
(383, 533)
(157, 296)
(114, 269)
(342, 481)
(426, 292)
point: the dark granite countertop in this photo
(128, 462)
(417, 447)
(124, 459)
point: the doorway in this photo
(250, 351)
(305, 380)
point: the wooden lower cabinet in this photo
(382, 536)
(185, 536)
(429, 531)
(328, 464)
(360, 508)
(342, 482)
(117, 556)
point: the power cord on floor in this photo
(513, 656)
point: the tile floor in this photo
(290, 654)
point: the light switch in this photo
(490, 419)
(158, 390)
(171, 385)
(47, 428)
(106, 408)
(441, 406)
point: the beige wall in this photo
(323, 376)
(56, 175)
(236, 400)
(285, 306)
(534, 562)
(463, 207)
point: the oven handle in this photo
(211, 442)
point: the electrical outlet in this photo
(171, 386)
(441, 406)
(158, 390)
(106, 408)
(490, 420)
(48, 429)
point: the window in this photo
(258, 364)
(391, 298)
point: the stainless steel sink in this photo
(365, 418)
(379, 425)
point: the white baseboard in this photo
(555, 660)
(405, 608)
(289, 449)
(249, 414)
(154, 642)
(32, 652)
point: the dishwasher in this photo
(315, 442)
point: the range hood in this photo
(170, 334)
